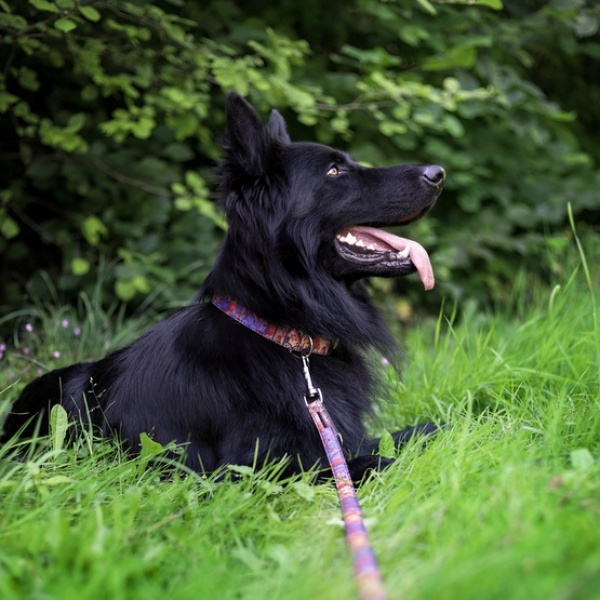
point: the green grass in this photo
(503, 504)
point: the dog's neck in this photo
(292, 339)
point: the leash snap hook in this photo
(313, 393)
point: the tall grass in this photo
(505, 503)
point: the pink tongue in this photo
(383, 240)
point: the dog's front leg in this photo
(368, 460)
(361, 466)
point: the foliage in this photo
(112, 112)
(503, 504)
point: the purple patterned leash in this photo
(370, 584)
(366, 570)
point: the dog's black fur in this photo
(203, 380)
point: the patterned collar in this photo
(289, 338)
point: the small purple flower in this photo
(40, 371)
(56, 354)
(64, 323)
(28, 327)
(26, 351)
(2, 346)
(384, 361)
(77, 331)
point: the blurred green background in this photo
(111, 114)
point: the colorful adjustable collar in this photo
(289, 338)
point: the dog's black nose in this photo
(434, 174)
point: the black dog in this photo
(223, 377)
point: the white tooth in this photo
(342, 238)
(404, 253)
(371, 247)
(360, 244)
(350, 239)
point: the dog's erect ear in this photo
(247, 139)
(278, 128)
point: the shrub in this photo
(112, 113)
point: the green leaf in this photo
(28, 79)
(581, 459)
(7, 100)
(140, 283)
(178, 152)
(184, 125)
(52, 135)
(183, 203)
(14, 22)
(427, 6)
(143, 128)
(304, 490)
(76, 122)
(93, 229)
(59, 423)
(387, 447)
(124, 289)
(196, 183)
(149, 448)
(57, 480)
(89, 93)
(241, 469)
(457, 57)
(495, 4)
(80, 266)
(65, 25)
(8, 227)
(44, 5)
(90, 13)
(208, 209)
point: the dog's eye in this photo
(333, 171)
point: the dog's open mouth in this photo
(368, 246)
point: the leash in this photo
(366, 570)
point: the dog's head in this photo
(313, 207)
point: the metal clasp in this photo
(312, 393)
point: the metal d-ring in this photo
(311, 346)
